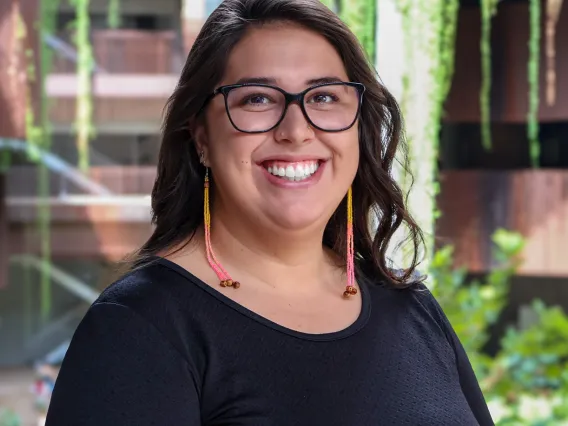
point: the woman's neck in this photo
(278, 258)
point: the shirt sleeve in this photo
(468, 381)
(120, 370)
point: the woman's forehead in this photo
(285, 54)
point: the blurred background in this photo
(483, 86)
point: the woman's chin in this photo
(297, 220)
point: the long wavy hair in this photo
(378, 202)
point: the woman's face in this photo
(318, 166)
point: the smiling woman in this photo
(277, 151)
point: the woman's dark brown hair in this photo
(177, 196)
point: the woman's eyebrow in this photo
(272, 80)
(256, 80)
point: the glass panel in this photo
(211, 5)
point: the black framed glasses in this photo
(259, 108)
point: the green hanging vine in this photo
(38, 128)
(429, 30)
(113, 14)
(84, 104)
(40, 137)
(533, 79)
(361, 17)
(488, 10)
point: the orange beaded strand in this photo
(224, 277)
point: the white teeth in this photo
(297, 173)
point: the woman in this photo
(247, 305)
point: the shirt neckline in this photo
(350, 330)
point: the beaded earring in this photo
(350, 289)
(224, 277)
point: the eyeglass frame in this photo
(289, 98)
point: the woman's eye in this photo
(323, 98)
(256, 99)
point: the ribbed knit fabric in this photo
(160, 347)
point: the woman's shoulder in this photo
(146, 287)
(157, 296)
(413, 301)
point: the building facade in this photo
(99, 218)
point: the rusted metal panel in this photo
(22, 180)
(463, 100)
(90, 210)
(127, 52)
(112, 111)
(460, 206)
(15, 15)
(110, 241)
(475, 204)
(13, 75)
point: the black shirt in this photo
(160, 347)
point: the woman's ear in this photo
(201, 142)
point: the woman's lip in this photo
(291, 159)
(291, 184)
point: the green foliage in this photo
(526, 383)
(361, 17)
(429, 30)
(447, 17)
(9, 418)
(113, 14)
(331, 4)
(534, 85)
(473, 307)
(488, 10)
(85, 62)
(538, 357)
(39, 136)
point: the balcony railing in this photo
(117, 180)
(125, 52)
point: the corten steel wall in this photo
(509, 97)
(13, 81)
(475, 203)
(12, 71)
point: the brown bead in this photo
(346, 294)
(223, 283)
(236, 285)
(229, 283)
(352, 290)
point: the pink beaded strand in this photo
(224, 277)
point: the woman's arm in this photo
(120, 370)
(468, 381)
